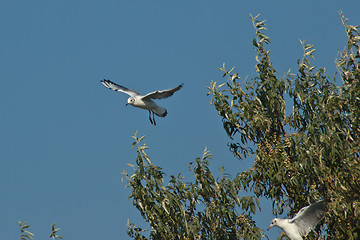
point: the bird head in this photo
(273, 223)
(130, 101)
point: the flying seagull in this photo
(144, 101)
(305, 220)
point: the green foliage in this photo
(209, 208)
(25, 234)
(318, 156)
(53, 234)
(300, 130)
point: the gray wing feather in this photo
(308, 217)
(116, 87)
(163, 93)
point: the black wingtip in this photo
(180, 86)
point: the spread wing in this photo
(163, 93)
(308, 217)
(116, 87)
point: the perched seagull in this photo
(144, 102)
(305, 220)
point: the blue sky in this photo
(65, 138)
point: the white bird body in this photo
(144, 101)
(303, 222)
(291, 231)
(148, 104)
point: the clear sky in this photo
(65, 138)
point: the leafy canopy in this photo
(301, 130)
(317, 156)
(209, 208)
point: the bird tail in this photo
(160, 111)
